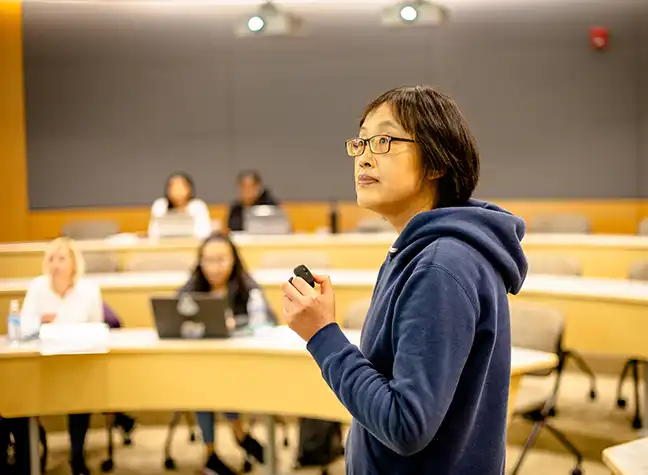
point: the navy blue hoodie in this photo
(428, 387)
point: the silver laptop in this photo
(191, 316)
(266, 219)
(175, 225)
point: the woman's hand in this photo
(230, 323)
(307, 310)
(48, 318)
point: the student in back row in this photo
(180, 196)
(251, 193)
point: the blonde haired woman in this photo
(63, 295)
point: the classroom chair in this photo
(374, 225)
(169, 462)
(540, 328)
(291, 259)
(560, 224)
(90, 229)
(160, 262)
(115, 420)
(355, 315)
(569, 267)
(553, 265)
(643, 227)
(100, 262)
(638, 271)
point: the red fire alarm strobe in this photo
(599, 38)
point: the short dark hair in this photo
(441, 132)
(188, 180)
(255, 175)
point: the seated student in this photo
(251, 193)
(62, 295)
(220, 271)
(180, 196)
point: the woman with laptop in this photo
(219, 271)
(180, 198)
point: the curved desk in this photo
(600, 255)
(344, 251)
(628, 459)
(602, 315)
(269, 373)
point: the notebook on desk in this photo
(191, 316)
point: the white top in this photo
(81, 304)
(197, 209)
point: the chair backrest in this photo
(560, 223)
(158, 261)
(355, 315)
(536, 327)
(643, 227)
(638, 271)
(90, 229)
(110, 317)
(374, 225)
(291, 259)
(554, 265)
(100, 262)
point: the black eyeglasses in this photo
(378, 144)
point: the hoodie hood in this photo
(492, 231)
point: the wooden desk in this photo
(600, 255)
(344, 251)
(141, 372)
(628, 459)
(604, 316)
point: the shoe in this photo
(253, 448)
(215, 466)
(79, 467)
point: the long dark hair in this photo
(239, 282)
(188, 179)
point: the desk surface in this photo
(268, 341)
(621, 241)
(121, 242)
(628, 459)
(581, 287)
(269, 373)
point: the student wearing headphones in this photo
(180, 196)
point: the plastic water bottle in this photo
(13, 322)
(256, 309)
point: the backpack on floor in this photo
(320, 443)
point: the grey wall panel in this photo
(119, 97)
(642, 92)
